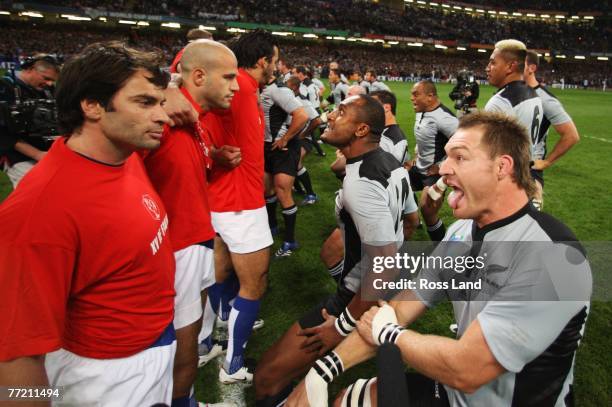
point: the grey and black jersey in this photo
(393, 140)
(366, 85)
(378, 85)
(532, 306)
(278, 103)
(310, 111)
(375, 194)
(338, 93)
(310, 91)
(554, 114)
(432, 130)
(286, 77)
(518, 100)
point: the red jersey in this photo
(85, 260)
(178, 171)
(176, 61)
(243, 125)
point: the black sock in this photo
(276, 400)
(392, 388)
(304, 178)
(290, 215)
(297, 185)
(316, 145)
(271, 208)
(436, 232)
(336, 270)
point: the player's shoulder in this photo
(445, 112)
(544, 92)
(394, 133)
(460, 230)
(377, 166)
(517, 92)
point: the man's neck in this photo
(255, 73)
(531, 81)
(358, 148)
(511, 78)
(508, 201)
(92, 143)
(199, 99)
(433, 106)
(390, 119)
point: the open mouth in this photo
(455, 197)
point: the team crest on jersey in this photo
(455, 238)
(151, 207)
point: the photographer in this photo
(465, 93)
(27, 115)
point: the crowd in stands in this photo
(367, 17)
(412, 63)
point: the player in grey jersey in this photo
(512, 348)
(374, 83)
(281, 156)
(514, 98)
(554, 114)
(370, 208)
(339, 88)
(433, 126)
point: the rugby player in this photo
(86, 264)
(282, 155)
(554, 114)
(369, 208)
(518, 335)
(373, 83)
(178, 172)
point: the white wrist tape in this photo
(345, 323)
(433, 193)
(384, 316)
(316, 389)
(389, 334)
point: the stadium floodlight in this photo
(503, 13)
(127, 22)
(492, 12)
(171, 25)
(468, 9)
(415, 44)
(479, 10)
(433, 4)
(421, 2)
(366, 40)
(408, 1)
(310, 36)
(207, 27)
(457, 8)
(281, 33)
(530, 15)
(352, 39)
(31, 14)
(544, 15)
(102, 19)
(393, 42)
(235, 30)
(380, 41)
(445, 6)
(575, 18)
(75, 18)
(602, 58)
(561, 56)
(559, 16)
(339, 38)
(461, 48)
(440, 46)
(579, 57)
(482, 50)
(329, 37)
(588, 17)
(5, 13)
(143, 23)
(539, 54)
(517, 14)
(546, 54)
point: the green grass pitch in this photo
(576, 192)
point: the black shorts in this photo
(282, 161)
(306, 143)
(425, 392)
(538, 175)
(334, 304)
(418, 181)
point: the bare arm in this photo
(299, 117)
(25, 371)
(568, 137)
(29, 150)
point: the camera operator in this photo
(465, 93)
(27, 119)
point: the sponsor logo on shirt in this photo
(151, 207)
(159, 237)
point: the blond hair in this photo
(513, 51)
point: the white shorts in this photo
(140, 380)
(17, 171)
(195, 271)
(244, 231)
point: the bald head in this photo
(209, 70)
(355, 90)
(205, 54)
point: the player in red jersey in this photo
(178, 172)
(86, 265)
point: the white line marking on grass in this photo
(605, 140)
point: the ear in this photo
(505, 167)
(262, 62)
(198, 76)
(387, 107)
(362, 130)
(92, 110)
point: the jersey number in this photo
(401, 200)
(535, 125)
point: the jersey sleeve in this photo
(367, 203)
(554, 111)
(448, 125)
(285, 98)
(35, 281)
(498, 104)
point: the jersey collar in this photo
(362, 156)
(188, 96)
(478, 234)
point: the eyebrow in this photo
(458, 148)
(146, 98)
